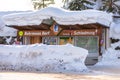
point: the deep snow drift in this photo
(44, 58)
(111, 56)
(110, 62)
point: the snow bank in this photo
(111, 57)
(44, 58)
(61, 16)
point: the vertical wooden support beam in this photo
(100, 38)
(105, 38)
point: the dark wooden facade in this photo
(36, 32)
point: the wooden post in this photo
(100, 38)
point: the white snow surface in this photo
(111, 57)
(4, 30)
(60, 15)
(115, 30)
(44, 58)
(118, 3)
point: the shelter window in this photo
(49, 40)
(88, 42)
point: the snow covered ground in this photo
(109, 63)
(53, 76)
(43, 58)
(56, 58)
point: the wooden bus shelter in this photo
(52, 26)
(56, 34)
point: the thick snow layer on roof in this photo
(115, 30)
(45, 58)
(2, 13)
(61, 16)
(4, 30)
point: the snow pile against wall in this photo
(44, 58)
(111, 57)
(61, 16)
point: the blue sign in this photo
(55, 28)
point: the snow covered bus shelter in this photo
(88, 29)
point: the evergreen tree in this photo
(79, 4)
(110, 6)
(66, 3)
(41, 3)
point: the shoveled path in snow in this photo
(54, 76)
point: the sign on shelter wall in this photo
(56, 30)
(85, 32)
(90, 32)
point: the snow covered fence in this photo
(44, 58)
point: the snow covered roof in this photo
(61, 16)
(4, 30)
(7, 31)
